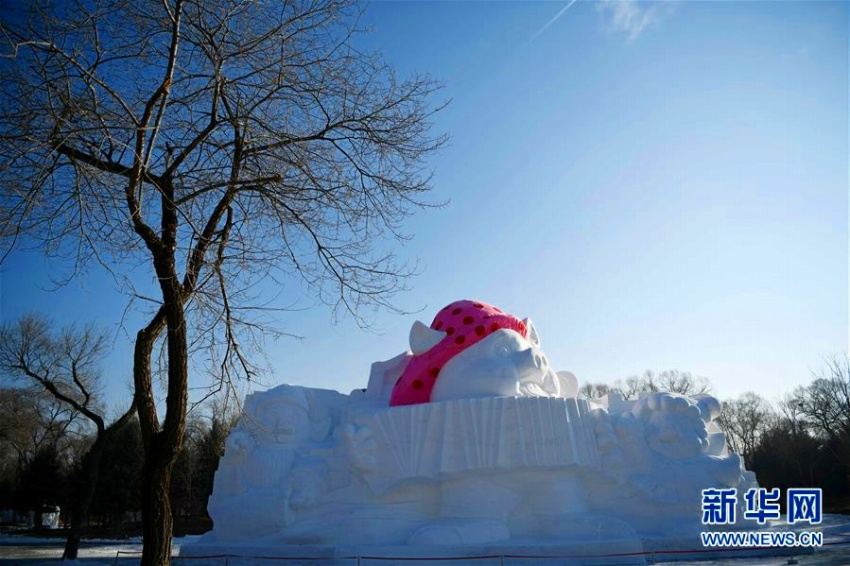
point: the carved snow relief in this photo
(468, 438)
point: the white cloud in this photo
(630, 17)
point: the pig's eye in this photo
(503, 350)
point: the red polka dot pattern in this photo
(464, 323)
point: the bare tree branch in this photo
(220, 145)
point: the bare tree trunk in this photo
(80, 513)
(156, 515)
(157, 522)
(81, 509)
(162, 444)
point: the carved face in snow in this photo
(674, 425)
(280, 415)
(473, 349)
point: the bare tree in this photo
(824, 407)
(672, 381)
(33, 423)
(745, 420)
(33, 419)
(594, 390)
(789, 410)
(825, 403)
(64, 364)
(214, 143)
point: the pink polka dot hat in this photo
(465, 323)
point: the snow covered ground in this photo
(28, 551)
(33, 551)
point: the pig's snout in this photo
(531, 361)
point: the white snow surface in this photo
(31, 551)
(36, 551)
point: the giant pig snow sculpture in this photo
(469, 437)
(473, 349)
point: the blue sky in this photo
(658, 186)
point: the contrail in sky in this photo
(553, 20)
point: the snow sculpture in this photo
(469, 438)
(272, 466)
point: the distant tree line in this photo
(671, 381)
(45, 452)
(804, 441)
(58, 449)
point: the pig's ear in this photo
(532, 332)
(423, 338)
